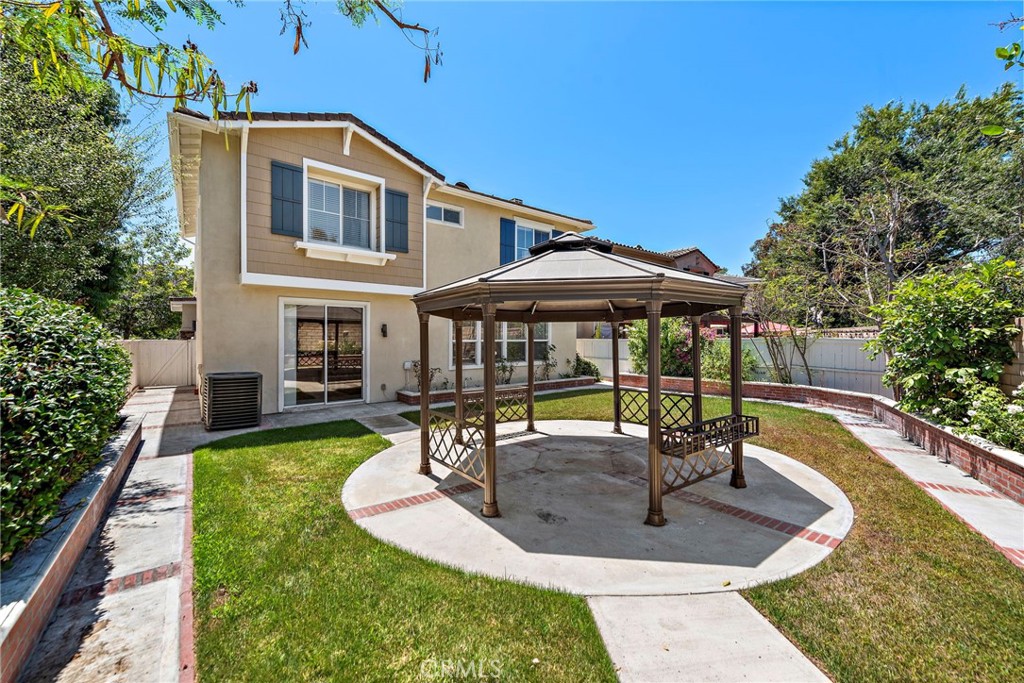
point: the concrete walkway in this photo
(990, 513)
(126, 612)
(572, 501)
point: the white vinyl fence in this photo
(162, 362)
(835, 363)
(600, 352)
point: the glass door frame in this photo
(282, 303)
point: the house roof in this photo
(577, 278)
(341, 117)
(345, 117)
(677, 253)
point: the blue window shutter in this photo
(396, 225)
(556, 233)
(508, 240)
(285, 199)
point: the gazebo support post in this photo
(616, 391)
(490, 508)
(736, 358)
(459, 407)
(655, 514)
(424, 393)
(698, 400)
(531, 371)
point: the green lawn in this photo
(287, 587)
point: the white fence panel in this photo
(835, 363)
(162, 362)
(600, 352)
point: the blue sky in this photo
(668, 124)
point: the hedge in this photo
(64, 381)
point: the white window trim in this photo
(281, 303)
(345, 177)
(452, 207)
(499, 343)
(530, 225)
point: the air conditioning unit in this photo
(232, 400)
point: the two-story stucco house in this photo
(312, 232)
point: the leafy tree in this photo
(156, 274)
(947, 336)
(76, 145)
(70, 46)
(909, 188)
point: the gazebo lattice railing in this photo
(676, 408)
(573, 279)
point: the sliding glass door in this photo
(323, 354)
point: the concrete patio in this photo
(573, 499)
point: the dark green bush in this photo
(64, 381)
(947, 337)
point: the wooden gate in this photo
(162, 362)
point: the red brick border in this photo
(186, 624)
(28, 626)
(1002, 474)
(120, 583)
(765, 521)
(430, 496)
(959, 489)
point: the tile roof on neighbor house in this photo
(345, 117)
(737, 279)
(676, 253)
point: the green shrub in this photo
(64, 380)
(676, 346)
(994, 416)
(582, 367)
(947, 337)
(716, 357)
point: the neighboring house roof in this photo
(345, 117)
(737, 279)
(176, 302)
(637, 251)
(677, 253)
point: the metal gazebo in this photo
(571, 279)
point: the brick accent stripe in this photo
(960, 489)
(773, 523)
(119, 584)
(436, 494)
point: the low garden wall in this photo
(999, 468)
(34, 581)
(445, 395)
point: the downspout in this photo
(243, 204)
(427, 184)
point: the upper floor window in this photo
(445, 214)
(338, 215)
(526, 237)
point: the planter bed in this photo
(38, 573)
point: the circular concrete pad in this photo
(573, 498)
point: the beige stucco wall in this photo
(239, 326)
(276, 254)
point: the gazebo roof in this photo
(576, 278)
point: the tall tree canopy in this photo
(910, 187)
(75, 145)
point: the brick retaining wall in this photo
(444, 396)
(36, 578)
(1002, 470)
